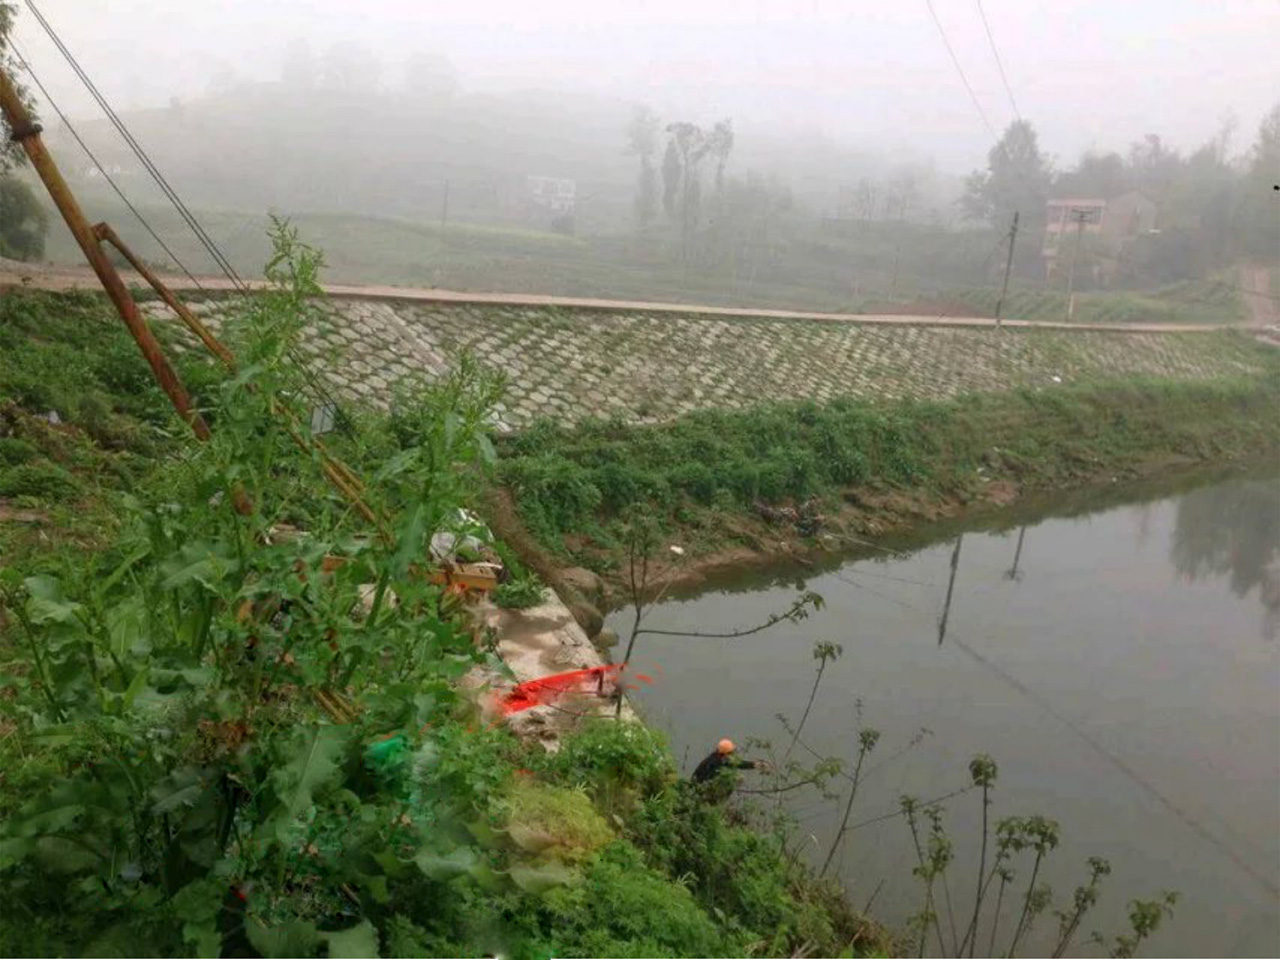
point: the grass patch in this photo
(1187, 301)
(695, 474)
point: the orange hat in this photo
(725, 746)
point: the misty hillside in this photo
(300, 147)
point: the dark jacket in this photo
(718, 761)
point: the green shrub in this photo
(554, 822)
(625, 908)
(15, 451)
(520, 593)
(43, 481)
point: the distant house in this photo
(553, 195)
(1107, 230)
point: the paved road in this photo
(45, 277)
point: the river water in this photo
(1122, 667)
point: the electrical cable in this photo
(342, 420)
(959, 69)
(999, 62)
(201, 235)
(26, 65)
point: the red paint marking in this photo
(544, 690)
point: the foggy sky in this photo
(1090, 74)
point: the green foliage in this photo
(520, 593)
(24, 224)
(620, 763)
(559, 823)
(71, 354)
(625, 908)
(14, 452)
(40, 481)
(586, 479)
(185, 689)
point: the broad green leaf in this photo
(446, 866)
(198, 562)
(358, 941)
(47, 604)
(293, 938)
(487, 454)
(104, 585)
(316, 757)
(204, 938)
(179, 789)
(410, 545)
(538, 878)
(396, 465)
(198, 906)
(15, 850)
(136, 686)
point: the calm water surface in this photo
(1125, 674)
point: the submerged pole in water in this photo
(1012, 572)
(951, 586)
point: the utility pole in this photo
(1080, 217)
(444, 205)
(1008, 266)
(26, 131)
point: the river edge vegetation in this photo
(204, 749)
(787, 479)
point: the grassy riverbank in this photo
(175, 775)
(789, 477)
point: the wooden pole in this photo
(27, 132)
(105, 234)
(1008, 266)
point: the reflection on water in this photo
(1233, 529)
(1110, 661)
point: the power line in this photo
(999, 63)
(101, 169)
(959, 69)
(205, 240)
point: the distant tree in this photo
(23, 221)
(902, 194)
(670, 179)
(749, 226)
(11, 154)
(642, 141)
(1259, 202)
(1154, 167)
(720, 145)
(1102, 175)
(1017, 178)
(691, 145)
(430, 75)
